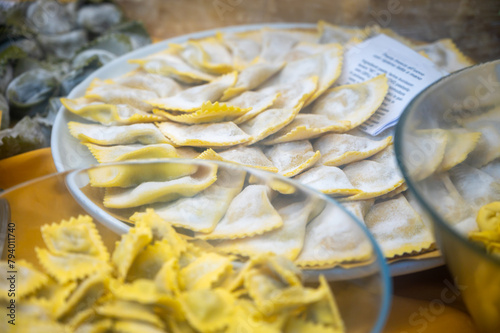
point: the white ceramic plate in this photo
(69, 154)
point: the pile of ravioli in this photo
(458, 170)
(156, 280)
(267, 99)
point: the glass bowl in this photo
(446, 144)
(361, 287)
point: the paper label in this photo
(408, 73)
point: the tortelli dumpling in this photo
(477, 187)
(487, 148)
(276, 44)
(257, 101)
(327, 179)
(108, 114)
(203, 211)
(209, 113)
(193, 98)
(244, 46)
(375, 176)
(429, 145)
(168, 63)
(161, 191)
(247, 156)
(330, 33)
(117, 135)
(398, 228)
(306, 126)
(292, 158)
(445, 198)
(162, 86)
(445, 55)
(251, 77)
(327, 65)
(458, 146)
(129, 175)
(285, 108)
(110, 92)
(208, 54)
(340, 149)
(106, 154)
(250, 213)
(353, 102)
(223, 134)
(333, 238)
(359, 208)
(286, 241)
(306, 49)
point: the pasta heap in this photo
(156, 280)
(266, 99)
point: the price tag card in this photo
(407, 71)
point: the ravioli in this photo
(109, 92)
(285, 108)
(273, 297)
(224, 134)
(106, 154)
(70, 267)
(306, 126)
(204, 210)
(445, 54)
(476, 187)
(292, 158)
(192, 99)
(487, 148)
(333, 238)
(162, 86)
(74, 236)
(327, 65)
(168, 63)
(258, 101)
(330, 33)
(276, 44)
(160, 191)
(398, 228)
(207, 54)
(244, 46)
(355, 103)
(286, 241)
(129, 175)
(108, 114)
(205, 271)
(117, 135)
(250, 213)
(458, 146)
(84, 296)
(428, 148)
(449, 203)
(340, 149)
(251, 77)
(208, 310)
(303, 50)
(247, 156)
(208, 113)
(327, 179)
(375, 176)
(127, 249)
(129, 311)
